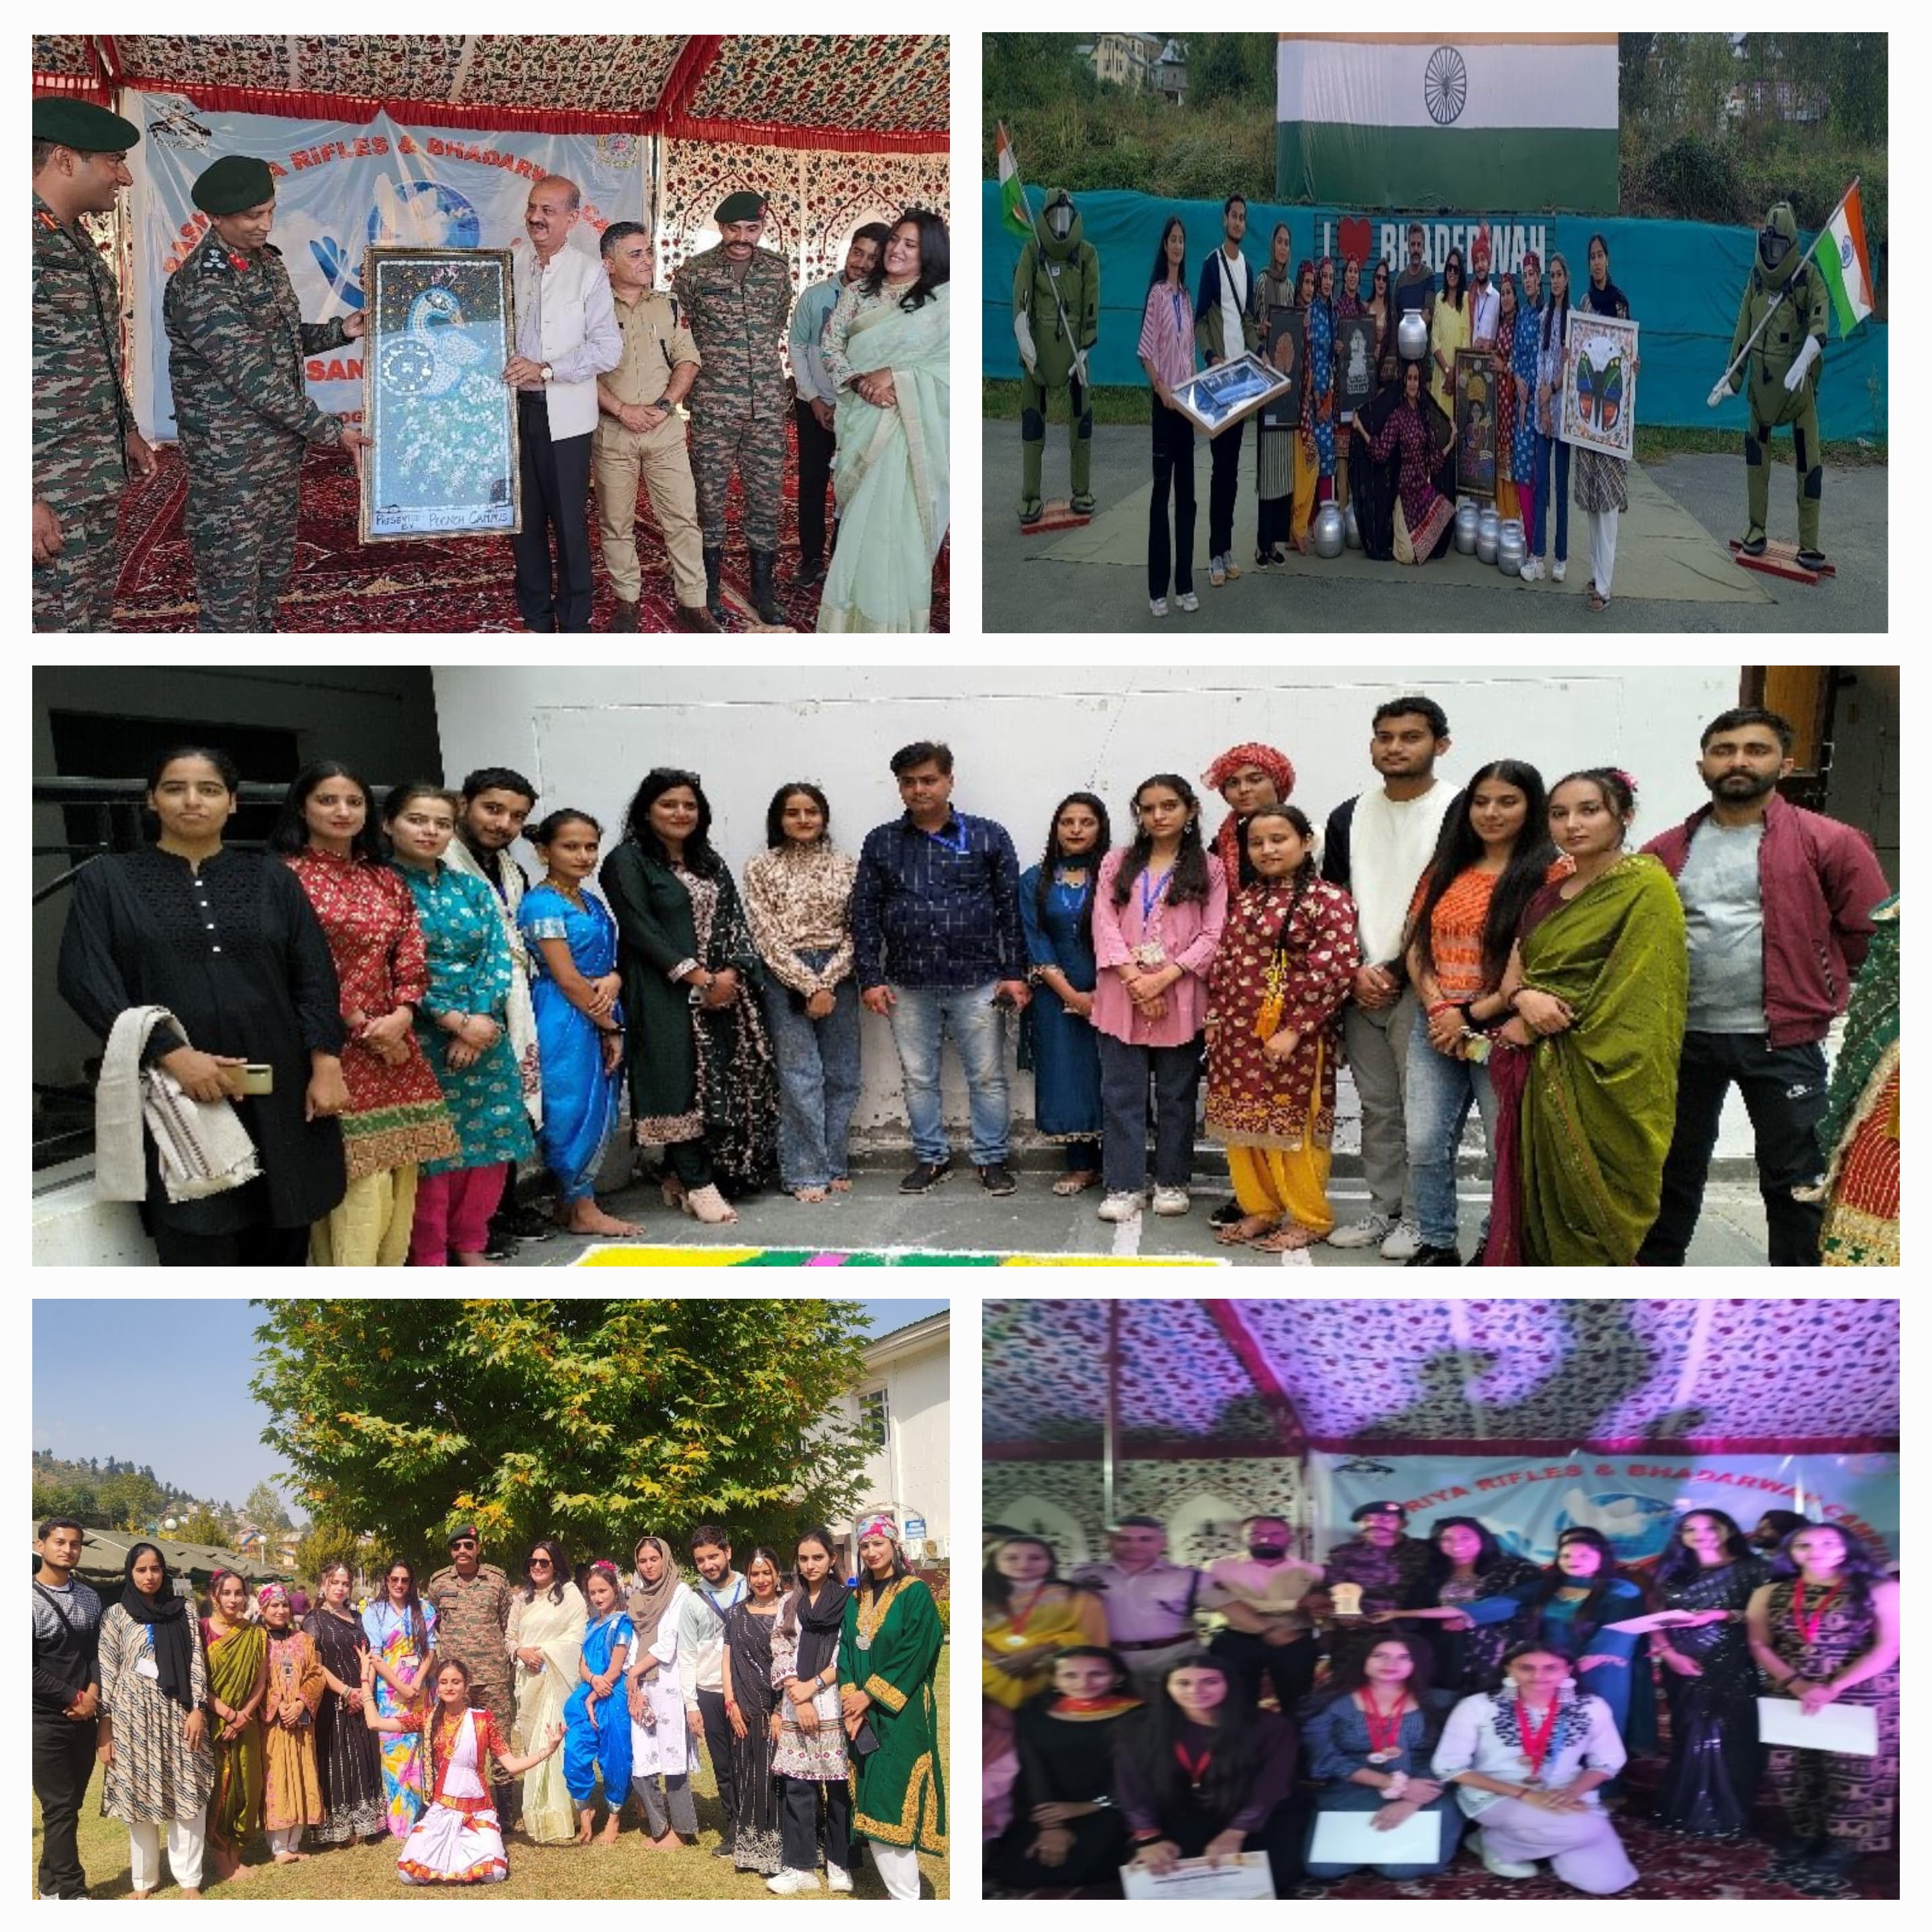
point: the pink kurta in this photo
(1189, 933)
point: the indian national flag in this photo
(1841, 254)
(1448, 120)
(1012, 201)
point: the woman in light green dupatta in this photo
(1586, 1073)
(888, 345)
(237, 1679)
(547, 1617)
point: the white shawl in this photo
(202, 1148)
(520, 1015)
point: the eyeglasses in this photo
(464, 1543)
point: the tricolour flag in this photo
(1435, 121)
(1841, 254)
(1013, 199)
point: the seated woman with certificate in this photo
(1370, 1734)
(1202, 1773)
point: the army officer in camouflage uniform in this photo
(85, 445)
(236, 341)
(736, 299)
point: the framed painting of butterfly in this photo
(1600, 384)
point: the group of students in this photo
(427, 1018)
(1400, 448)
(1442, 1676)
(438, 1717)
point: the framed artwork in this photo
(1475, 418)
(1228, 393)
(1354, 364)
(442, 420)
(1600, 385)
(1286, 340)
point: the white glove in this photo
(1808, 355)
(1023, 335)
(1725, 388)
(1080, 367)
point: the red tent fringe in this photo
(699, 53)
(83, 86)
(848, 140)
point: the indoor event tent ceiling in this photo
(887, 93)
(1229, 1378)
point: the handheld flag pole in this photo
(1014, 182)
(1722, 382)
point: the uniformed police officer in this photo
(640, 433)
(85, 445)
(736, 299)
(236, 342)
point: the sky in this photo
(165, 1383)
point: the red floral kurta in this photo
(1253, 1101)
(396, 1114)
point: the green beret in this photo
(235, 183)
(81, 126)
(743, 206)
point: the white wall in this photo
(1025, 736)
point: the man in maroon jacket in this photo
(1777, 904)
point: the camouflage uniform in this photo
(235, 344)
(741, 400)
(81, 424)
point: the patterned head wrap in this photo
(1481, 245)
(879, 1526)
(1264, 757)
(271, 1593)
(1531, 260)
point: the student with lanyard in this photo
(66, 1700)
(701, 1614)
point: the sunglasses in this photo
(541, 1563)
(464, 1543)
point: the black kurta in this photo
(236, 953)
(1062, 1760)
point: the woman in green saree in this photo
(887, 1658)
(888, 345)
(238, 1678)
(1586, 1073)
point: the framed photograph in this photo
(1600, 385)
(1475, 419)
(1283, 346)
(1354, 364)
(443, 419)
(1228, 393)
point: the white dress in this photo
(451, 1845)
(667, 1748)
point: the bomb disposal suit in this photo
(1053, 336)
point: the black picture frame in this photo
(1475, 416)
(1356, 377)
(1287, 336)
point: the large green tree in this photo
(263, 1507)
(592, 1421)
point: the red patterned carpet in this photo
(446, 584)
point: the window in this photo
(873, 1418)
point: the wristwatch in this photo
(548, 374)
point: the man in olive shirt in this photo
(639, 433)
(471, 1599)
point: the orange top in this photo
(1455, 930)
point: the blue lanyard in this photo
(958, 845)
(1151, 899)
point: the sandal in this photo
(1598, 601)
(1069, 1185)
(1288, 1239)
(672, 1189)
(707, 1205)
(1247, 1231)
(811, 1196)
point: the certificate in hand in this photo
(1852, 1729)
(1245, 1876)
(1350, 1838)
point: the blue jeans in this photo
(818, 1078)
(923, 1018)
(1538, 541)
(1440, 1092)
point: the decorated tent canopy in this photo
(885, 94)
(1202, 1411)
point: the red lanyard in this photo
(1536, 1742)
(1016, 1620)
(1195, 1772)
(1384, 1732)
(1808, 1629)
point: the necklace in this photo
(872, 1609)
(1016, 1619)
(1536, 1738)
(1808, 1627)
(565, 889)
(1384, 1726)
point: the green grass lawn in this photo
(625, 1870)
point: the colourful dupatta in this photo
(1599, 1103)
(893, 478)
(234, 1666)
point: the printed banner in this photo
(339, 188)
(1525, 1501)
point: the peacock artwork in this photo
(1600, 385)
(442, 420)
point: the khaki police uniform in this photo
(655, 340)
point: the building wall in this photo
(912, 1476)
(1024, 737)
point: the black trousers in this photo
(63, 1763)
(798, 1823)
(1173, 462)
(259, 1246)
(556, 497)
(815, 448)
(1224, 457)
(719, 1742)
(1289, 1667)
(1784, 1090)
(1279, 1834)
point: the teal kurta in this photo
(899, 1790)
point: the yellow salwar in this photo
(1268, 1180)
(1064, 1619)
(1307, 474)
(370, 1227)
(1508, 503)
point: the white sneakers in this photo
(838, 1879)
(1557, 569)
(1532, 569)
(1157, 606)
(1171, 1200)
(787, 1883)
(1398, 1240)
(1404, 1239)
(1187, 601)
(1120, 1207)
(1502, 1867)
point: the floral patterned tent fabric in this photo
(1394, 1373)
